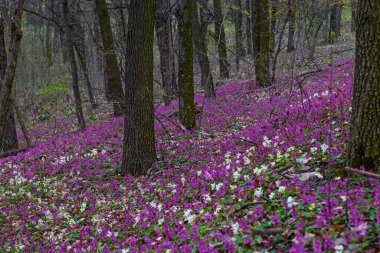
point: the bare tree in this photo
(8, 140)
(220, 38)
(261, 41)
(185, 62)
(114, 86)
(6, 84)
(201, 52)
(139, 142)
(166, 48)
(238, 20)
(364, 145)
(73, 63)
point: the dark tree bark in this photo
(166, 48)
(353, 15)
(273, 23)
(201, 52)
(114, 85)
(335, 22)
(185, 64)
(248, 26)
(9, 140)
(73, 64)
(292, 25)
(364, 145)
(261, 41)
(48, 53)
(238, 18)
(79, 43)
(220, 38)
(7, 125)
(65, 54)
(139, 142)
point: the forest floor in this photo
(263, 171)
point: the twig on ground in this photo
(362, 172)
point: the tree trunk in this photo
(9, 140)
(201, 52)
(335, 22)
(48, 53)
(139, 142)
(220, 38)
(248, 26)
(73, 65)
(292, 25)
(364, 145)
(166, 48)
(261, 40)
(238, 18)
(353, 15)
(273, 23)
(114, 85)
(185, 63)
(7, 125)
(79, 44)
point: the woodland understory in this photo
(190, 126)
(263, 171)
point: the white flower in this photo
(281, 189)
(246, 160)
(183, 180)
(325, 93)
(137, 220)
(316, 95)
(199, 172)
(266, 141)
(313, 150)
(109, 234)
(344, 198)
(258, 192)
(187, 216)
(235, 228)
(227, 155)
(126, 250)
(339, 248)
(337, 178)
(236, 175)
(246, 177)
(83, 207)
(278, 183)
(49, 215)
(271, 195)
(153, 204)
(94, 152)
(324, 147)
(160, 221)
(257, 171)
(207, 197)
(291, 202)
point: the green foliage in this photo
(60, 86)
(43, 117)
(52, 90)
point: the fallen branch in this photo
(12, 152)
(270, 231)
(362, 172)
(249, 204)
